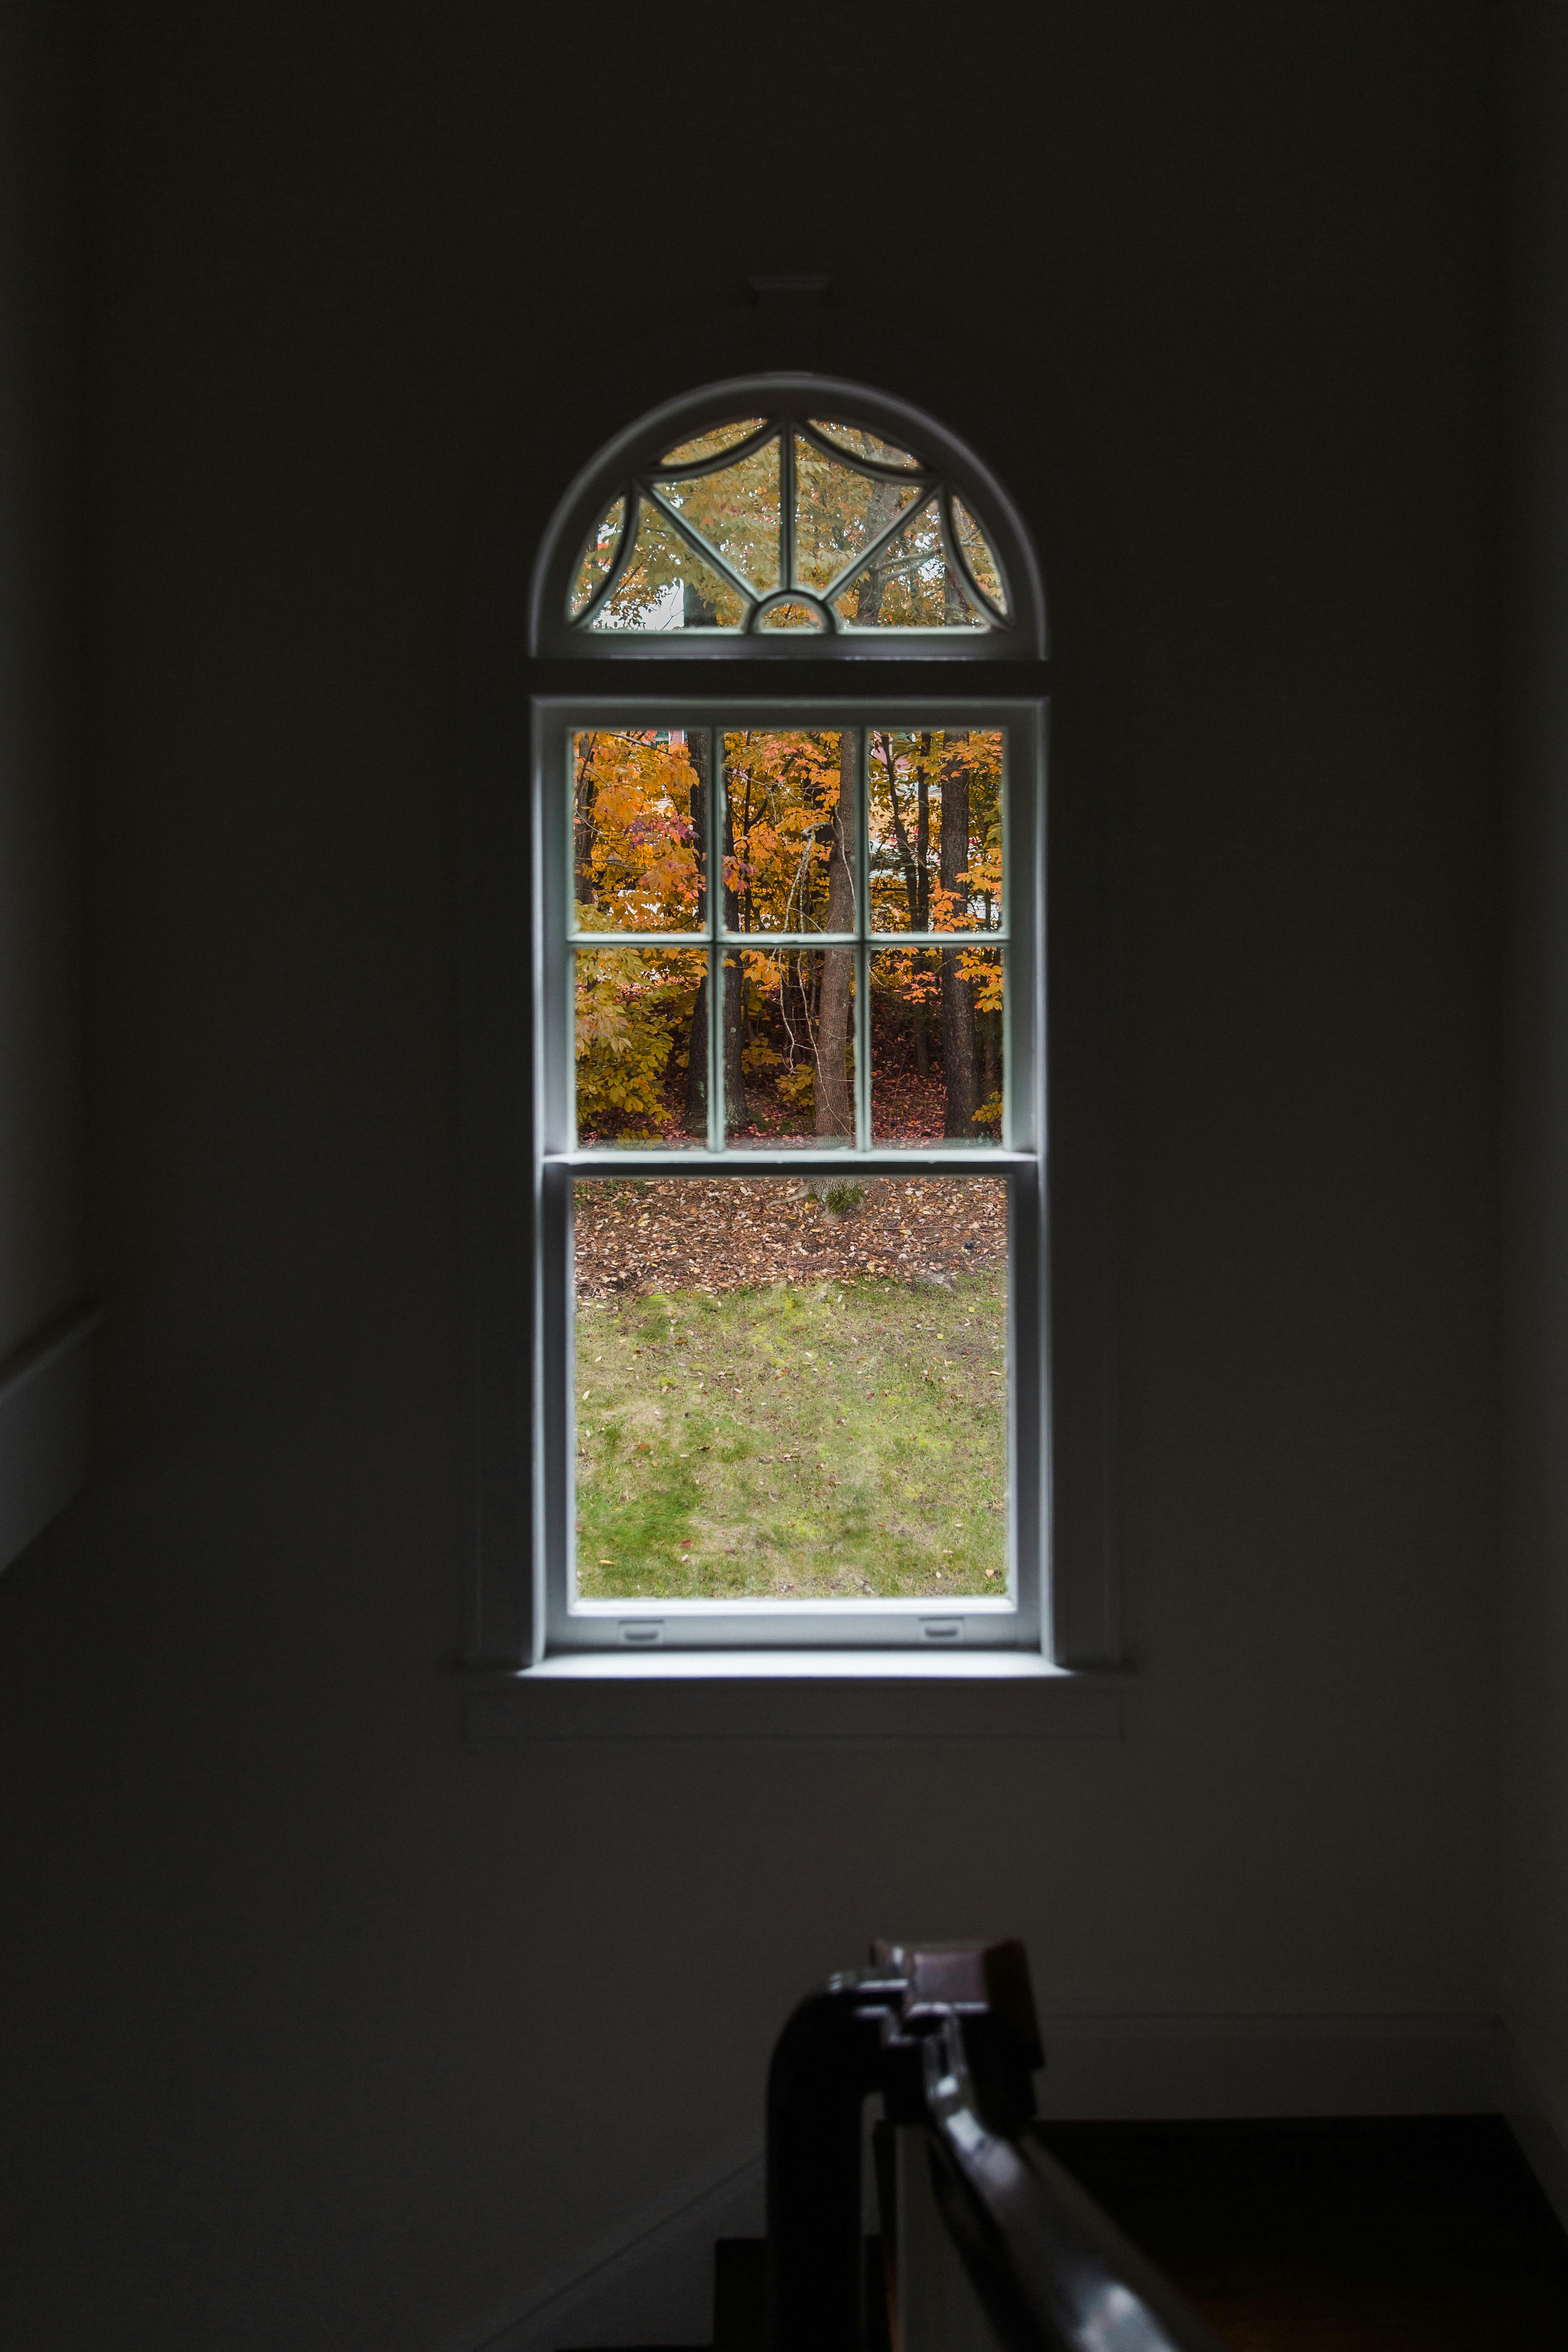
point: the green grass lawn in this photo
(838, 1439)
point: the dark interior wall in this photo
(1535, 1688)
(40, 1192)
(321, 2029)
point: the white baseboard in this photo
(43, 1429)
(1538, 2121)
(651, 2282)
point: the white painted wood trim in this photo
(804, 1694)
(44, 1392)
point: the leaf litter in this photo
(733, 1233)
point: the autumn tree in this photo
(647, 809)
(835, 1098)
(959, 1069)
(585, 795)
(959, 1065)
(697, 1034)
(912, 841)
(633, 871)
(934, 812)
(790, 868)
(700, 746)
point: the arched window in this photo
(786, 996)
(774, 515)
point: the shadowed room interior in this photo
(344, 2007)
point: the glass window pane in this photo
(668, 586)
(862, 444)
(791, 1037)
(713, 443)
(598, 556)
(639, 1078)
(792, 615)
(934, 822)
(789, 852)
(914, 589)
(792, 1392)
(838, 512)
(737, 511)
(977, 552)
(639, 829)
(937, 1046)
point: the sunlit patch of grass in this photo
(843, 1440)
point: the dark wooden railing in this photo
(948, 2038)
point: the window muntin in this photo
(888, 841)
(788, 522)
(776, 518)
(935, 822)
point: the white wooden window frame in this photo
(1063, 1618)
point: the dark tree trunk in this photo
(834, 1099)
(914, 892)
(922, 871)
(697, 1045)
(958, 1042)
(902, 838)
(697, 1065)
(737, 1110)
(880, 509)
(700, 750)
(585, 795)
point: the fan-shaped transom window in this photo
(775, 518)
(788, 522)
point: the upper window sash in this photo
(1019, 935)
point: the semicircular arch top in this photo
(787, 515)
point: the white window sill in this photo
(793, 1695)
